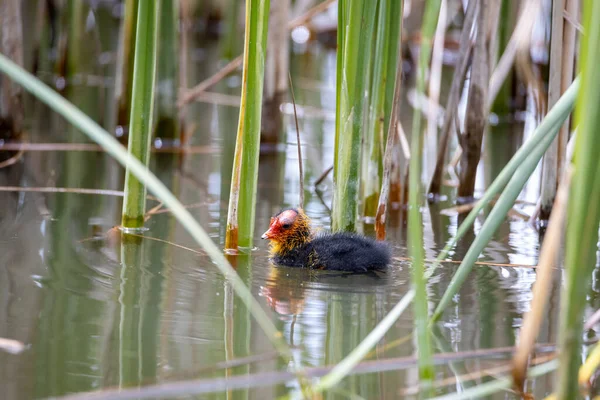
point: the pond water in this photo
(99, 311)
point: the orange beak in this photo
(268, 234)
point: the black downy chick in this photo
(294, 244)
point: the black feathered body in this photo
(337, 252)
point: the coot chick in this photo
(294, 244)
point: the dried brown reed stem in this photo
(556, 152)
(475, 375)
(453, 96)
(101, 192)
(485, 263)
(476, 117)
(569, 49)
(270, 378)
(323, 175)
(541, 289)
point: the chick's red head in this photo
(286, 224)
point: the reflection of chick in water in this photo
(286, 288)
(284, 291)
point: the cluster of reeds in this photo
(367, 127)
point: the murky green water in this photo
(98, 311)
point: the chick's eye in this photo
(286, 226)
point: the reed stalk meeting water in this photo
(242, 197)
(142, 109)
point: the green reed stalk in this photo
(415, 225)
(242, 198)
(341, 34)
(351, 108)
(142, 109)
(167, 118)
(583, 213)
(528, 160)
(389, 21)
(116, 150)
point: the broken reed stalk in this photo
(167, 113)
(550, 163)
(476, 114)
(415, 225)
(299, 145)
(388, 32)
(352, 106)
(450, 115)
(380, 217)
(242, 198)
(142, 110)
(549, 255)
(583, 211)
(124, 74)
(11, 45)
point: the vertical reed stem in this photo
(476, 117)
(550, 165)
(355, 65)
(242, 199)
(415, 225)
(382, 94)
(142, 109)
